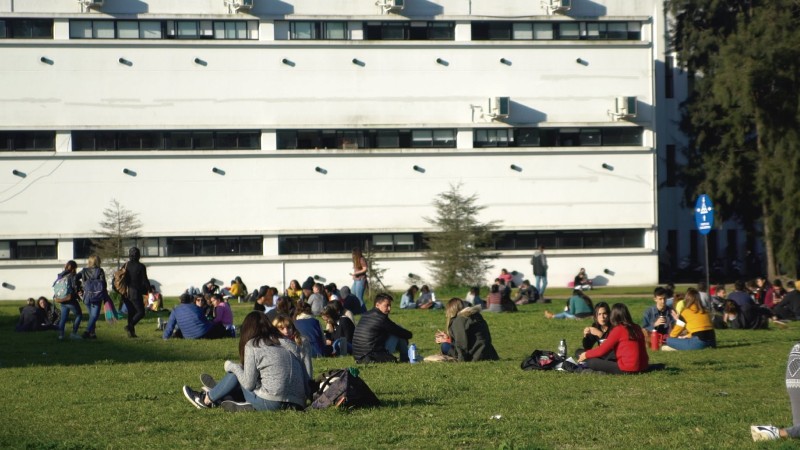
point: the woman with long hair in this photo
(294, 291)
(467, 337)
(338, 331)
(598, 331)
(69, 303)
(695, 321)
(626, 340)
(579, 306)
(289, 332)
(270, 375)
(95, 292)
(359, 275)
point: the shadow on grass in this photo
(111, 347)
(403, 402)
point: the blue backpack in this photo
(94, 290)
(63, 289)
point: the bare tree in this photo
(117, 229)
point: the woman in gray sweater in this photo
(270, 375)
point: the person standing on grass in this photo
(696, 322)
(769, 432)
(359, 275)
(95, 292)
(539, 263)
(69, 303)
(626, 340)
(376, 337)
(138, 286)
(269, 374)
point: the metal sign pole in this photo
(708, 281)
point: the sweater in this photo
(273, 373)
(191, 321)
(470, 337)
(631, 354)
(223, 314)
(696, 323)
(578, 307)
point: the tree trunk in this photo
(772, 271)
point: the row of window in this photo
(183, 246)
(332, 30)
(162, 29)
(155, 247)
(166, 140)
(415, 242)
(322, 139)
(487, 31)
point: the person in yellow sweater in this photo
(693, 329)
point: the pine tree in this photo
(117, 229)
(460, 249)
(743, 115)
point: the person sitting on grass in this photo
(191, 322)
(309, 328)
(31, 318)
(338, 331)
(285, 325)
(427, 299)
(626, 340)
(789, 306)
(693, 329)
(222, 311)
(582, 281)
(579, 306)
(658, 318)
(494, 299)
(526, 294)
(407, 300)
(769, 432)
(376, 337)
(50, 314)
(474, 297)
(269, 374)
(155, 301)
(598, 331)
(467, 337)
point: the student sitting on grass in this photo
(31, 318)
(407, 300)
(695, 321)
(191, 322)
(474, 297)
(658, 318)
(377, 337)
(769, 432)
(338, 331)
(270, 375)
(285, 325)
(467, 337)
(598, 331)
(579, 306)
(626, 340)
(309, 328)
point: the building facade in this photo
(265, 139)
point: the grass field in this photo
(116, 392)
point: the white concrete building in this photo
(267, 139)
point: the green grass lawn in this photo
(116, 392)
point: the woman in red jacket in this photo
(626, 340)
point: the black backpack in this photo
(343, 388)
(541, 360)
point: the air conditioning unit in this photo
(625, 107)
(560, 6)
(393, 6)
(499, 107)
(95, 4)
(239, 5)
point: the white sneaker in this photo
(764, 433)
(76, 337)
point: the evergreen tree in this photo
(743, 115)
(459, 251)
(117, 229)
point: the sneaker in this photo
(232, 406)
(87, 335)
(667, 348)
(60, 337)
(195, 398)
(208, 381)
(75, 336)
(764, 432)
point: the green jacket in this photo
(471, 340)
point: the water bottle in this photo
(412, 353)
(562, 348)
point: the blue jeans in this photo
(564, 315)
(229, 383)
(541, 284)
(75, 307)
(358, 290)
(446, 347)
(692, 343)
(94, 314)
(395, 344)
(341, 347)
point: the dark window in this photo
(538, 30)
(25, 141)
(622, 136)
(167, 140)
(29, 249)
(359, 139)
(671, 166)
(26, 28)
(669, 77)
(214, 246)
(399, 31)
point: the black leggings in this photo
(135, 306)
(603, 365)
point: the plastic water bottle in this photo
(562, 348)
(412, 353)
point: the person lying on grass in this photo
(626, 340)
(270, 373)
(467, 337)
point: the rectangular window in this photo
(523, 31)
(569, 30)
(187, 29)
(30, 28)
(150, 30)
(499, 31)
(444, 138)
(596, 30)
(622, 136)
(394, 31)
(335, 30)
(388, 139)
(3, 33)
(33, 249)
(527, 137)
(590, 136)
(493, 137)
(441, 31)
(24, 141)
(669, 77)
(80, 29)
(128, 29)
(103, 29)
(543, 31)
(303, 30)
(180, 247)
(617, 30)
(421, 138)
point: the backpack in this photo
(541, 360)
(93, 290)
(120, 283)
(343, 388)
(63, 289)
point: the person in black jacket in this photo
(376, 337)
(138, 286)
(339, 331)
